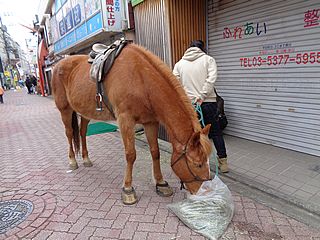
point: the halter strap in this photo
(196, 178)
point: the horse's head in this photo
(191, 161)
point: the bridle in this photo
(195, 177)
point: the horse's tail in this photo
(76, 133)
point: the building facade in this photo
(12, 59)
(267, 53)
(72, 26)
(268, 57)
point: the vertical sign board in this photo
(112, 15)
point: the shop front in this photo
(268, 57)
(73, 26)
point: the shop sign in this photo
(113, 15)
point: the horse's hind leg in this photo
(83, 132)
(126, 125)
(69, 119)
(162, 187)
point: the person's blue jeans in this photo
(209, 111)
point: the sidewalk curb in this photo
(261, 187)
(306, 213)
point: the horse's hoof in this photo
(73, 166)
(87, 164)
(163, 189)
(129, 197)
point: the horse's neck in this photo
(178, 124)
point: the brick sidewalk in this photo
(86, 203)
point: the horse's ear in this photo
(206, 129)
(195, 139)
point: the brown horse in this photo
(141, 89)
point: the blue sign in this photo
(62, 27)
(63, 43)
(68, 21)
(77, 14)
(57, 46)
(94, 23)
(86, 28)
(70, 38)
(81, 31)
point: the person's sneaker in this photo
(223, 165)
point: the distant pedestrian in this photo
(21, 84)
(34, 80)
(29, 85)
(1, 94)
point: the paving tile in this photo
(107, 232)
(42, 235)
(287, 189)
(302, 195)
(129, 230)
(61, 235)
(140, 235)
(311, 189)
(86, 203)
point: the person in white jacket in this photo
(197, 72)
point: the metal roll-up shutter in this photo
(268, 56)
(152, 31)
(152, 28)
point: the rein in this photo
(196, 178)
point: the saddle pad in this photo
(100, 127)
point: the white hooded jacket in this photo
(197, 72)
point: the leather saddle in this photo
(101, 59)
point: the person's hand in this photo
(199, 101)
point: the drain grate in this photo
(13, 212)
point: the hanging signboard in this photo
(112, 12)
(76, 20)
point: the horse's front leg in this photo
(83, 134)
(162, 187)
(126, 125)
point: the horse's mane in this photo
(158, 64)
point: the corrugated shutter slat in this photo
(271, 102)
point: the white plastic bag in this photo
(208, 212)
